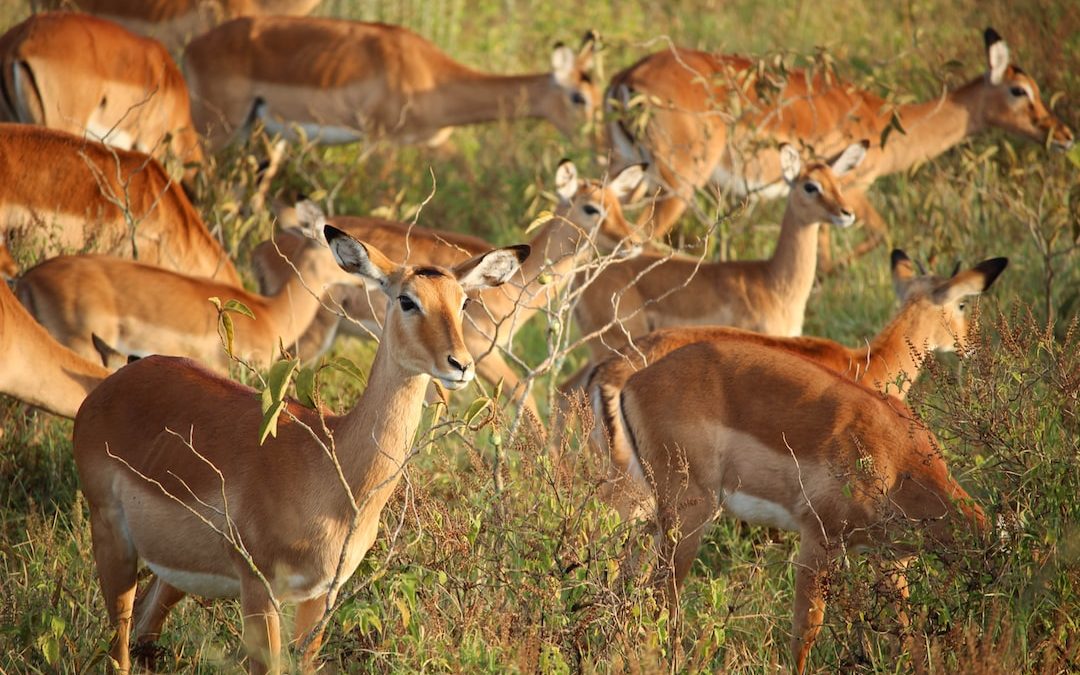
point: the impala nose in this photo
(845, 218)
(458, 365)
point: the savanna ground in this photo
(474, 574)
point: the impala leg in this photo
(308, 614)
(262, 627)
(896, 579)
(681, 529)
(809, 597)
(152, 608)
(117, 566)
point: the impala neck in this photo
(932, 127)
(373, 440)
(63, 393)
(474, 97)
(291, 7)
(556, 251)
(294, 306)
(896, 349)
(794, 261)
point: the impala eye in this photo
(811, 188)
(407, 304)
(962, 305)
(577, 98)
(1018, 92)
(590, 210)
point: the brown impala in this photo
(340, 81)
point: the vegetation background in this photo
(471, 576)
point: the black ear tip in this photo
(590, 36)
(865, 143)
(992, 268)
(991, 36)
(522, 251)
(898, 256)
(331, 233)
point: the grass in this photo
(527, 577)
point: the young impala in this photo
(84, 75)
(60, 194)
(930, 319)
(775, 439)
(711, 120)
(174, 22)
(35, 368)
(299, 522)
(140, 309)
(587, 220)
(650, 291)
(341, 81)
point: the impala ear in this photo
(588, 50)
(356, 257)
(566, 180)
(970, 282)
(493, 268)
(850, 158)
(627, 180)
(310, 218)
(563, 65)
(997, 56)
(903, 271)
(790, 163)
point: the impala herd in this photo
(706, 396)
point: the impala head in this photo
(426, 304)
(595, 206)
(572, 97)
(815, 191)
(942, 300)
(1012, 100)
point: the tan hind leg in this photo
(152, 607)
(809, 612)
(308, 614)
(117, 567)
(262, 627)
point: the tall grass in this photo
(531, 576)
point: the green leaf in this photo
(266, 400)
(278, 379)
(50, 648)
(270, 420)
(1074, 155)
(216, 302)
(474, 409)
(228, 332)
(348, 367)
(539, 220)
(239, 308)
(305, 387)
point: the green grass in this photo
(527, 578)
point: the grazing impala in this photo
(638, 295)
(141, 309)
(35, 368)
(931, 319)
(60, 193)
(709, 121)
(174, 22)
(774, 439)
(342, 80)
(587, 219)
(299, 522)
(84, 75)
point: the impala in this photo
(650, 291)
(60, 193)
(775, 439)
(141, 309)
(930, 319)
(301, 520)
(340, 81)
(84, 75)
(709, 122)
(174, 22)
(587, 219)
(36, 369)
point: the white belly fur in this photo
(758, 511)
(198, 583)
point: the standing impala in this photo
(60, 193)
(775, 439)
(36, 369)
(300, 521)
(587, 219)
(174, 22)
(342, 80)
(141, 309)
(710, 123)
(84, 75)
(638, 295)
(931, 319)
